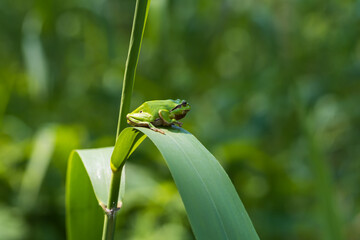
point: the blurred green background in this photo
(274, 89)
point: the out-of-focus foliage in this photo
(239, 64)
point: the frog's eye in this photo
(184, 103)
(140, 111)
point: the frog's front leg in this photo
(138, 123)
(165, 116)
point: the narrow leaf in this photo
(37, 167)
(213, 206)
(128, 140)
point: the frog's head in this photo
(181, 109)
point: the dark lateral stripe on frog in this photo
(179, 106)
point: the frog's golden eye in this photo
(184, 103)
(140, 111)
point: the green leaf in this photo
(213, 206)
(88, 184)
(84, 217)
(214, 209)
(128, 140)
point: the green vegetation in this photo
(273, 88)
(211, 202)
(210, 199)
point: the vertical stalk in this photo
(140, 15)
(141, 12)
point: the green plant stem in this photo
(141, 12)
(110, 219)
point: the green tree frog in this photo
(158, 113)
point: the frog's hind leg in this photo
(137, 123)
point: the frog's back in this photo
(153, 107)
(161, 104)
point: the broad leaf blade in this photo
(97, 165)
(214, 209)
(84, 217)
(88, 184)
(213, 206)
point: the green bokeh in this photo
(246, 67)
